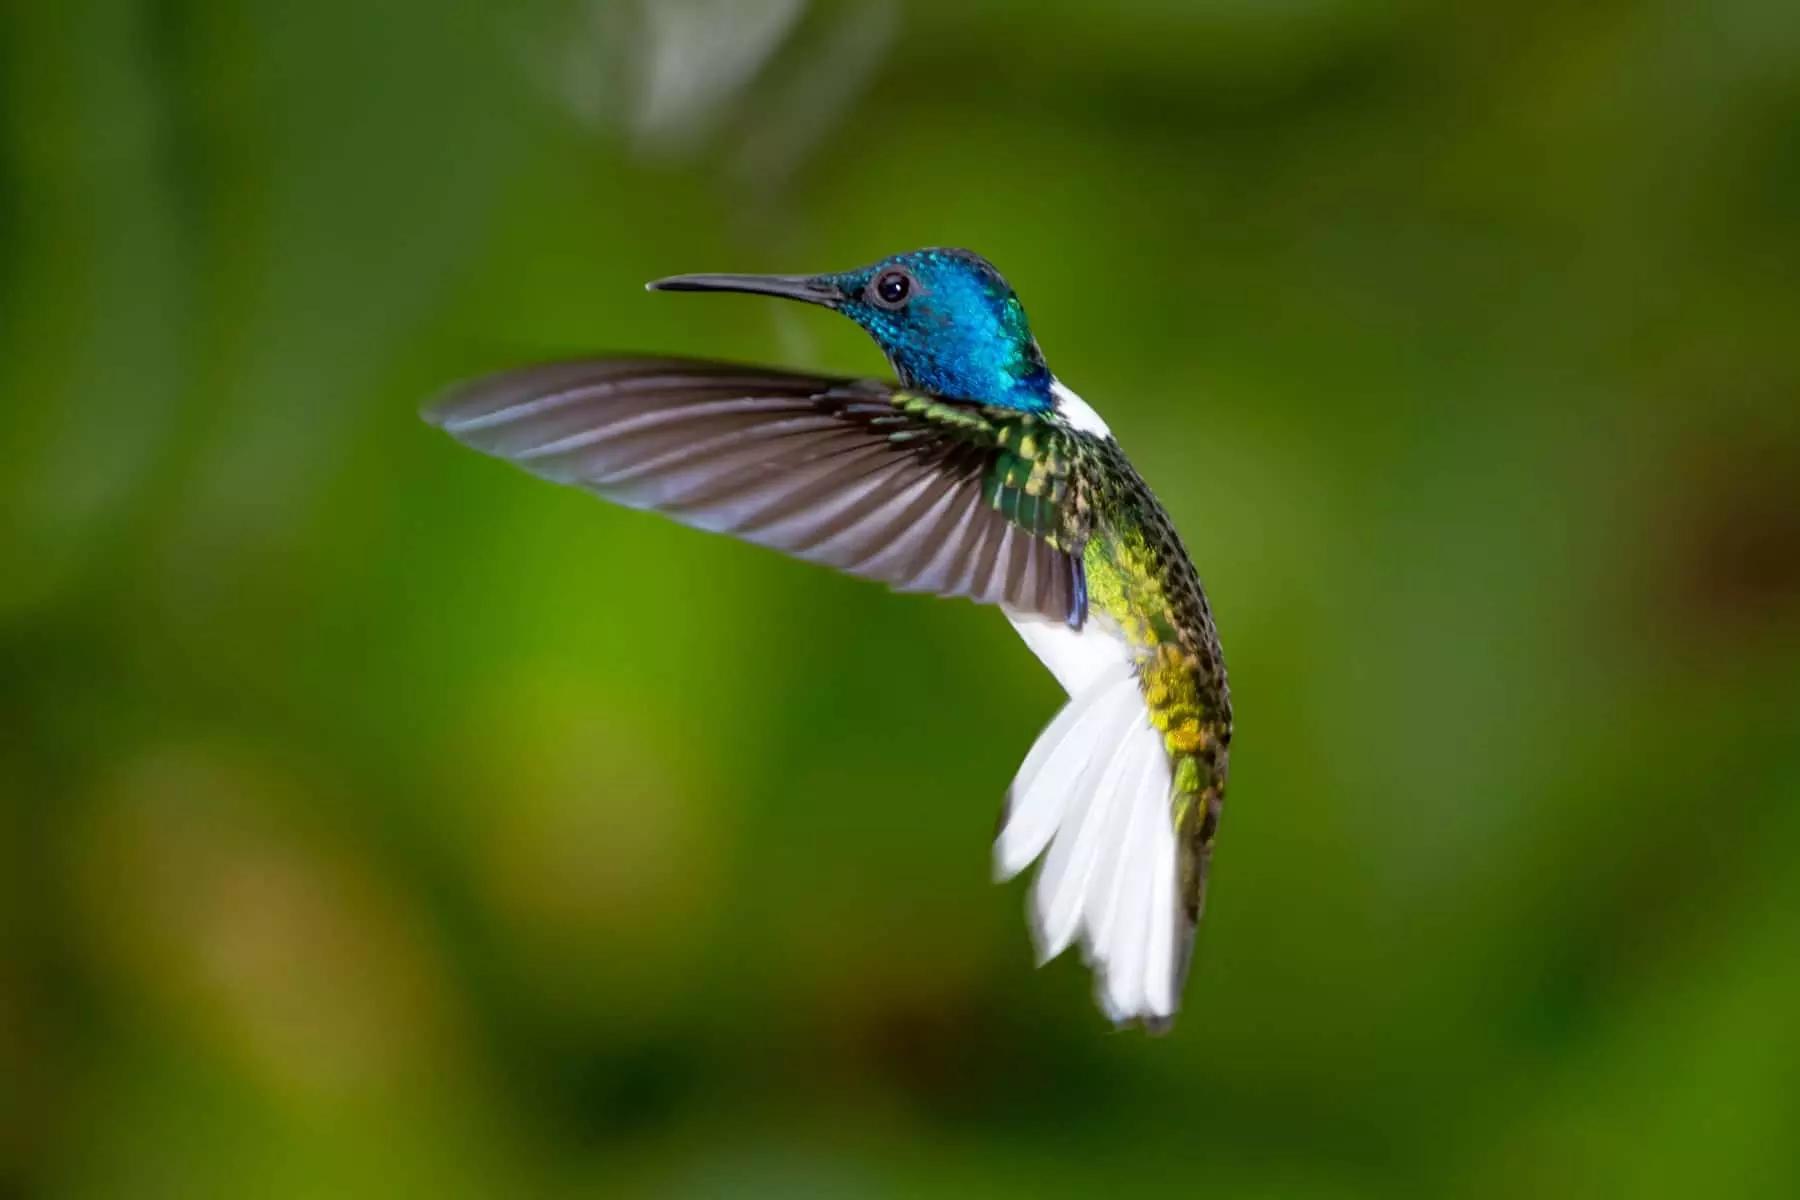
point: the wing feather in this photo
(854, 474)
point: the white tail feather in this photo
(1089, 832)
(1040, 792)
(1095, 790)
(1166, 953)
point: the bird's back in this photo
(1139, 576)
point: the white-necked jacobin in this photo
(977, 474)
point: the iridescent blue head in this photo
(948, 321)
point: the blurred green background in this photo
(376, 820)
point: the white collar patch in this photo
(1076, 411)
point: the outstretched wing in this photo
(924, 494)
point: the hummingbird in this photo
(976, 473)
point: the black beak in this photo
(790, 287)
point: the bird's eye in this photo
(892, 288)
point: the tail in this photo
(1098, 790)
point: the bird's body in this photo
(978, 475)
(1146, 612)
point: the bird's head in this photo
(946, 319)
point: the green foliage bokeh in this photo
(376, 820)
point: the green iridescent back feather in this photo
(1139, 574)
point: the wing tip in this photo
(465, 401)
(438, 410)
(1078, 595)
